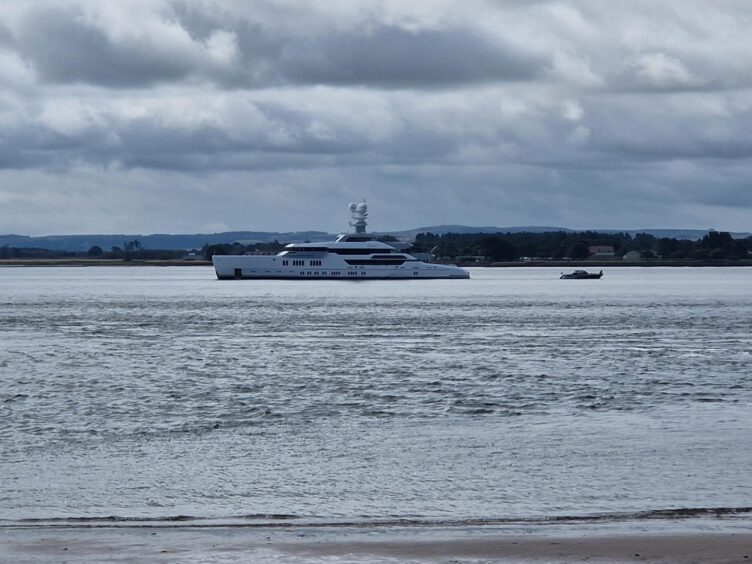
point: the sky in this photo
(177, 116)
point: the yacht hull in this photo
(255, 267)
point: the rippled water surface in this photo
(155, 392)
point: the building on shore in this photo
(601, 251)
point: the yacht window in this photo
(311, 250)
(359, 251)
(364, 262)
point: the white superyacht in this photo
(352, 256)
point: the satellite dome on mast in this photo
(359, 216)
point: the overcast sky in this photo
(179, 116)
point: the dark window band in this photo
(364, 262)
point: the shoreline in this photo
(85, 262)
(399, 544)
(607, 263)
(82, 262)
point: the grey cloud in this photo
(375, 54)
(606, 133)
(662, 72)
(565, 115)
(673, 126)
(399, 197)
(6, 37)
(76, 50)
(400, 58)
(73, 136)
(380, 55)
(63, 48)
(725, 185)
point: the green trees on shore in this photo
(95, 252)
(716, 245)
(498, 247)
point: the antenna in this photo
(359, 215)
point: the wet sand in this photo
(240, 544)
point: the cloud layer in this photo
(165, 116)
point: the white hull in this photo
(234, 267)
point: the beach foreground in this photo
(239, 544)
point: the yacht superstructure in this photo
(351, 256)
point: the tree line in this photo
(716, 245)
(130, 250)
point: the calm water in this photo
(155, 392)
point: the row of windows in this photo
(301, 263)
(317, 273)
(396, 261)
(239, 273)
(363, 262)
(332, 273)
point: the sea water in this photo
(162, 393)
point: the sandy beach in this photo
(239, 544)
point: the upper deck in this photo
(341, 248)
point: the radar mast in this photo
(359, 215)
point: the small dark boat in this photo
(581, 275)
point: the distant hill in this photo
(442, 229)
(689, 234)
(82, 243)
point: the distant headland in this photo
(82, 243)
(466, 245)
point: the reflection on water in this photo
(158, 392)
